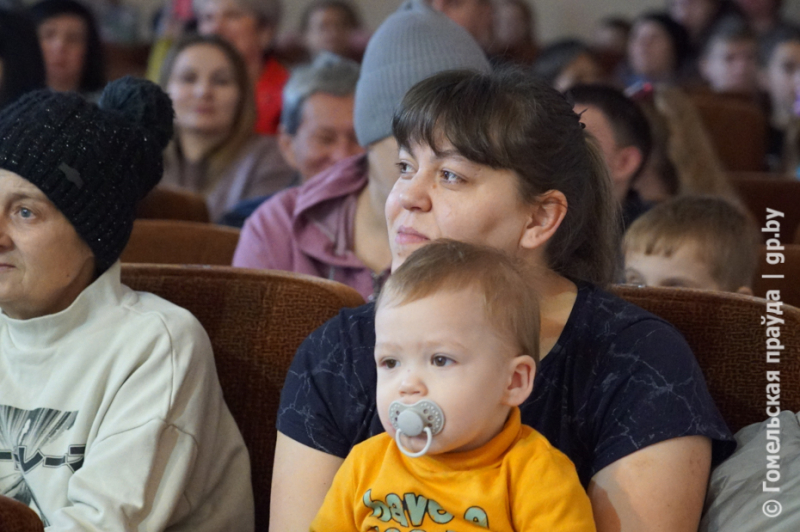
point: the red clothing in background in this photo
(268, 96)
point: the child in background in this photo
(729, 60)
(457, 347)
(779, 59)
(623, 133)
(610, 43)
(693, 242)
(567, 63)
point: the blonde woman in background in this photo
(683, 161)
(215, 151)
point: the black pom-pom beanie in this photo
(94, 162)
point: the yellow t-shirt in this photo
(517, 481)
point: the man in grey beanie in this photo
(333, 225)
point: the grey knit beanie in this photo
(413, 44)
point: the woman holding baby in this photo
(618, 390)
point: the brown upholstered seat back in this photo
(256, 321)
(789, 286)
(729, 340)
(17, 517)
(737, 128)
(172, 204)
(180, 242)
(760, 191)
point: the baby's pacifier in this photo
(412, 420)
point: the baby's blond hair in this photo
(510, 303)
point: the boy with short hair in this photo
(457, 346)
(693, 242)
(729, 60)
(624, 136)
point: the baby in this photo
(457, 343)
(693, 242)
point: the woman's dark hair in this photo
(23, 66)
(678, 36)
(510, 120)
(93, 78)
(345, 8)
(553, 59)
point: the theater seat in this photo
(164, 203)
(737, 128)
(179, 242)
(789, 286)
(728, 338)
(760, 191)
(17, 517)
(256, 321)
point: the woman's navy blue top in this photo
(618, 379)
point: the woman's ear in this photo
(547, 213)
(523, 370)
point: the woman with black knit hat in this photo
(111, 413)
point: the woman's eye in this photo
(441, 361)
(25, 213)
(450, 177)
(222, 80)
(188, 77)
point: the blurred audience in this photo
(566, 63)
(21, 63)
(119, 22)
(700, 16)
(610, 43)
(250, 26)
(475, 16)
(317, 120)
(779, 58)
(729, 60)
(514, 33)
(73, 53)
(215, 151)
(316, 129)
(657, 49)
(330, 26)
(683, 160)
(700, 242)
(763, 16)
(171, 22)
(623, 133)
(334, 225)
